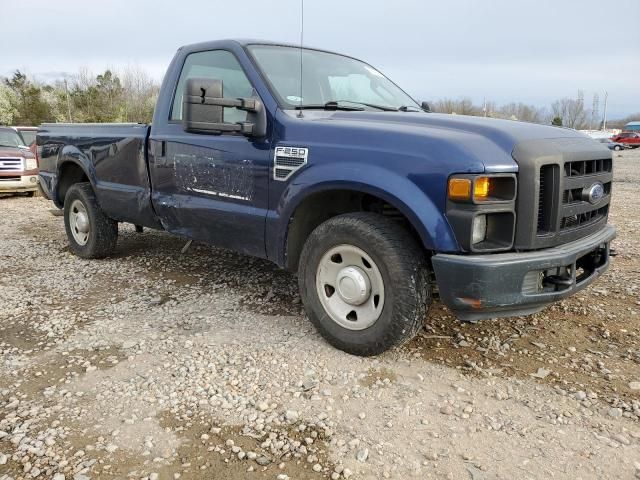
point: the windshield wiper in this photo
(7, 145)
(384, 108)
(328, 106)
(410, 108)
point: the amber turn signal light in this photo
(481, 188)
(459, 189)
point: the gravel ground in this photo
(159, 365)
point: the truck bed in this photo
(112, 155)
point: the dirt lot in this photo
(161, 365)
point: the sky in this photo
(532, 51)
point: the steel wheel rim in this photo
(79, 222)
(350, 287)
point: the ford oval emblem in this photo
(595, 193)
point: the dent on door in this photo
(215, 195)
(204, 171)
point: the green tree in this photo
(557, 121)
(109, 93)
(8, 103)
(97, 100)
(31, 107)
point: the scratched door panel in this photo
(214, 189)
(225, 192)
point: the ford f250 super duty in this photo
(332, 171)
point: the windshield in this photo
(327, 77)
(10, 138)
(29, 136)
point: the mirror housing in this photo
(203, 107)
(425, 106)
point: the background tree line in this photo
(568, 112)
(125, 96)
(130, 95)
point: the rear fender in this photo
(70, 154)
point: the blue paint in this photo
(220, 188)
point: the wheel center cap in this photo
(353, 285)
(82, 222)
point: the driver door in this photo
(212, 187)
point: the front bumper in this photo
(508, 284)
(22, 183)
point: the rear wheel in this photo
(617, 148)
(90, 232)
(364, 283)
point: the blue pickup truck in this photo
(334, 172)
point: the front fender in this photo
(397, 190)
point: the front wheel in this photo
(90, 232)
(617, 148)
(364, 282)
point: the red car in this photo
(18, 166)
(628, 138)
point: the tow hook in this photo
(557, 280)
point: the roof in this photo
(245, 42)
(633, 123)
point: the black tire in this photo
(402, 264)
(103, 231)
(617, 148)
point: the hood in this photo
(468, 143)
(505, 133)
(16, 152)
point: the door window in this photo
(220, 65)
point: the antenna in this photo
(301, 43)
(604, 120)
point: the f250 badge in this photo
(287, 160)
(295, 152)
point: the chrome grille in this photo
(11, 164)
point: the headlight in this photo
(481, 189)
(30, 164)
(481, 210)
(479, 229)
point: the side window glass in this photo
(215, 64)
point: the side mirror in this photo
(203, 107)
(425, 106)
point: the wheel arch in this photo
(69, 173)
(310, 205)
(72, 167)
